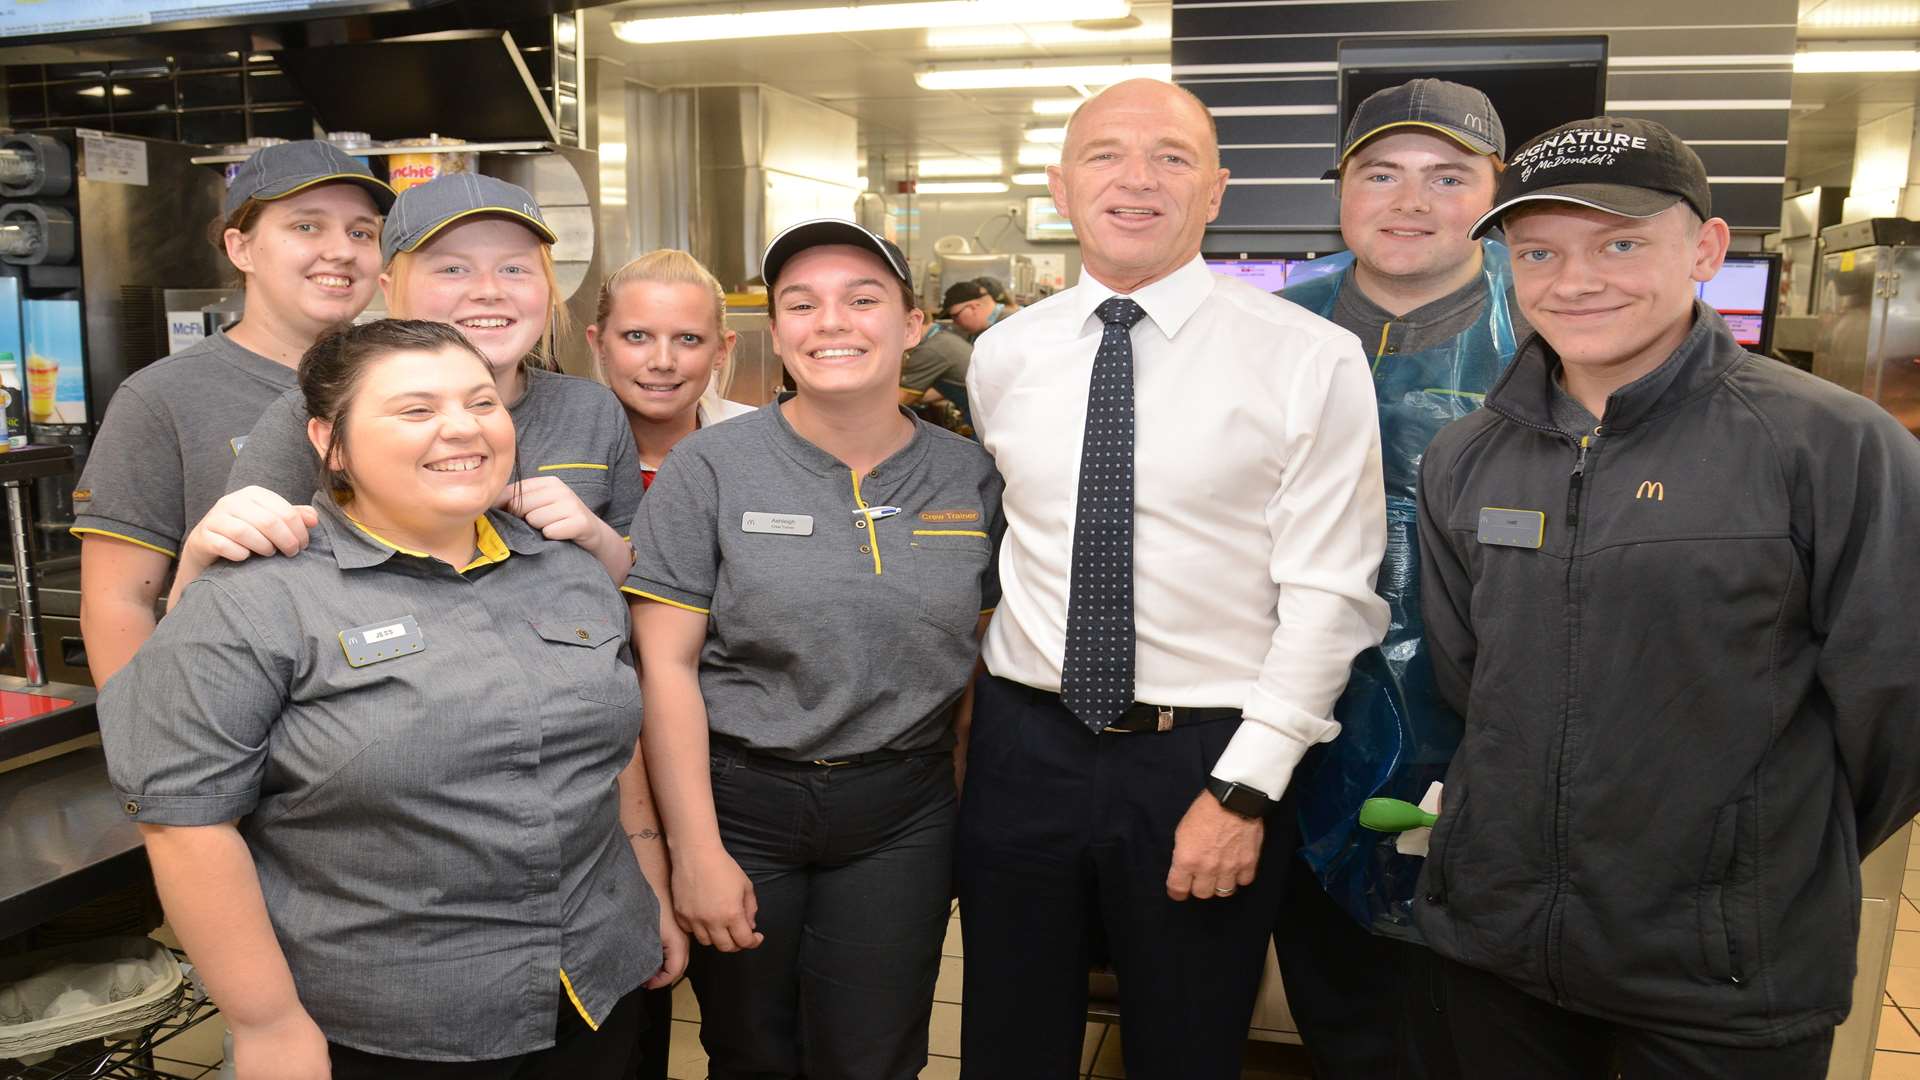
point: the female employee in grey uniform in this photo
(301, 223)
(381, 781)
(473, 251)
(808, 584)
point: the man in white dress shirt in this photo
(1195, 515)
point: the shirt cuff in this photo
(89, 524)
(1269, 744)
(647, 589)
(187, 809)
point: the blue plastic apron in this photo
(1396, 735)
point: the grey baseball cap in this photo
(422, 211)
(1460, 113)
(795, 239)
(275, 172)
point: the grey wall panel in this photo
(1262, 68)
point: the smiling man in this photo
(1194, 520)
(1669, 583)
(1433, 307)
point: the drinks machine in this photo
(94, 228)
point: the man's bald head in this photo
(1175, 102)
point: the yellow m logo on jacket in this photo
(1652, 489)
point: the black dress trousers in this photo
(1066, 834)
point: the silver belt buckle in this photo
(1165, 721)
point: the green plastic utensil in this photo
(1394, 815)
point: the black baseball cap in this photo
(961, 292)
(423, 210)
(1460, 113)
(1634, 168)
(820, 232)
(283, 169)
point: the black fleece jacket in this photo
(1692, 708)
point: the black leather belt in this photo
(1142, 717)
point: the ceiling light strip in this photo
(770, 21)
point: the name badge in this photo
(1512, 528)
(238, 443)
(777, 524)
(383, 640)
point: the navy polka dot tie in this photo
(1096, 677)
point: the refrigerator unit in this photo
(1869, 307)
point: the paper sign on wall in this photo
(116, 161)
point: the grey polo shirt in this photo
(161, 458)
(830, 632)
(942, 354)
(1383, 333)
(436, 830)
(564, 426)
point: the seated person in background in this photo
(384, 782)
(971, 308)
(998, 291)
(935, 370)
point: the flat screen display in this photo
(28, 19)
(1742, 292)
(1271, 273)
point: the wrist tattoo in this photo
(647, 833)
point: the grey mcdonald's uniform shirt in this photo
(436, 831)
(829, 634)
(172, 429)
(564, 426)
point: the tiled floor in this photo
(1897, 1056)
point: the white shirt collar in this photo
(1169, 302)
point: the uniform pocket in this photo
(1719, 940)
(1453, 806)
(950, 565)
(591, 653)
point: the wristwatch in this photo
(1239, 798)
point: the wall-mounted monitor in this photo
(1269, 272)
(1745, 292)
(1535, 83)
(23, 22)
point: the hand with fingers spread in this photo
(1215, 851)
(248, 522)
(713, 900)
(549, 505)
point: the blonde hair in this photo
(665, 266)
(559, 322)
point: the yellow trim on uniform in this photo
(388, 543)
(571, 465)
(951, 532)
(631, 591)
(1381, 349)
(487, 541)
(575, 998)
(540, 228)
(364, 180)
(873, 529)
(82, 530)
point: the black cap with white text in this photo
(1634, 168)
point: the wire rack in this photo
(137, 1055)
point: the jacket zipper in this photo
(1576, 484)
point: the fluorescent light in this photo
(960, 187)
(1003, 77)
(959, 166)
(1047, 134)
(765, 20)
(1061, 106)
(1835, 61)
(1861, 15)
(101, 91)
(1151, 28)
(1029, 179)
(1038, 154)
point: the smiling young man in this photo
(1194, 519)
(1433, 308)
(1668, 584)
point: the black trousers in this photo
(1368, 1007)
(578, 1053)
(851, 866)
(654, 1046)
(1503, 1033)
(1066, 836)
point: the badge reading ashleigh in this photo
(1512, 528)
(777, 524)
(383, 640)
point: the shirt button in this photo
(861, 524)
(582, 633)
(132, 807)
(874, 475)
(864, 549)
